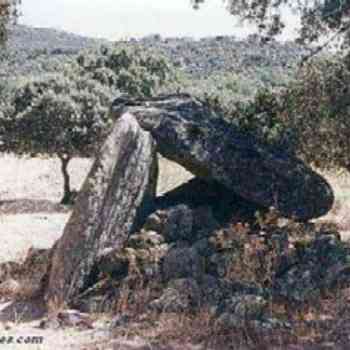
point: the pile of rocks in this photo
(189, 258)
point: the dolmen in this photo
(120, 190)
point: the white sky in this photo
(114, 19)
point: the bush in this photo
(127, 68)
(317, 107)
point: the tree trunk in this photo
(115, 199)
(67, 193)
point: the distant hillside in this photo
(225, 53)
(24, 38)
(232, 68)
(223, 62)
(32, 51)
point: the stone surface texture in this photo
(113, 202)
(194, 136)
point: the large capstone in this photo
(196, 137)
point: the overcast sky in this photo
(114, 19)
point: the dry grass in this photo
(30, 190)
(324, 325)
(340, 214)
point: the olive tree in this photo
(66, 114)
(58, 115)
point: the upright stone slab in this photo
(191, 134)
(115, 199)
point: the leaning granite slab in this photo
(194, 136)
(115, 199)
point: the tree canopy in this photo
(319, 18)
(8, 13)
(65, 114)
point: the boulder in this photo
(181, 295)
(203, 142)
(114, 201)
(120, 264)
(68, 319)
(26, 280)
(178, 224)
(9, 270)
(242, 309)
(182, 263)
(145, 240)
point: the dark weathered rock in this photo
(26, 280)
(145, 240)
(212, 293)
(114, 263)
(182, 263)
(181, 295)
(191, 134)
(9, 269)
(314, 265)
(113, 203)
(99, 298)
(68, 319)
(119, 264)
(178, 224)
(247, 306)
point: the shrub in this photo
(317, 107)
(127, 68)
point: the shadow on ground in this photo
(31, 206)
(23, 311)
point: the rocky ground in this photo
(30, 216)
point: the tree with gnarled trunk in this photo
(62, 115)
(66, 114)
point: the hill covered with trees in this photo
(209, 64)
